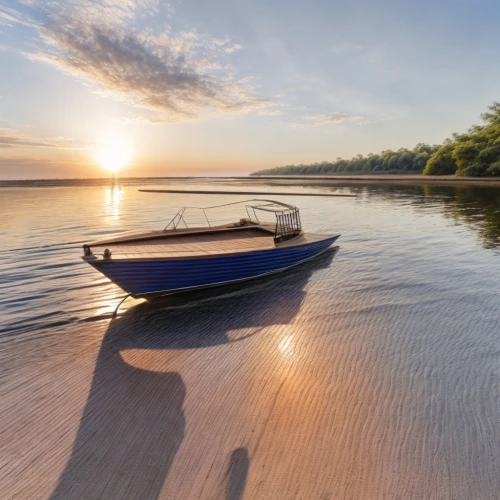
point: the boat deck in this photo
(198, 244)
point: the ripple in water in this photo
(372, 372)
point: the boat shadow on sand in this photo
(133, 422)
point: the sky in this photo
(228, 87)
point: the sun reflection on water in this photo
(112, 198)
(286, 346)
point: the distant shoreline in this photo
(389, 179)
(319, 180)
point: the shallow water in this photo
(372, 372)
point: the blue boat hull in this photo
(149, 278)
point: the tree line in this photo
(473, 153)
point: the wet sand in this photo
(266, 394)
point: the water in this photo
(370, 373)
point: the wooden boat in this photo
(185, 258)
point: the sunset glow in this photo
(113, 157)
(214, 91)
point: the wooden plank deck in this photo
(193, 244)
(202, 245)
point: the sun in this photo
(113, 156)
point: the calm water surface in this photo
(371, 373)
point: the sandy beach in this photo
(443, 180)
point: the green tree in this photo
(494, 168)
(465, 154)
(492, 116)
(420, 161)
(472, 153)
(441, 162)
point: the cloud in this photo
(333, 119)
(26, 167)
(174, 77)
(226, 45)
(11, 138)
(19, 161)
(233, 48)
(10, 17)
(111, 12)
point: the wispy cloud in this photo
(33, 167)
(333, 119)
(227, 46)
(174, 77)
(18, 161)
(11, 138)
(10, 17)
(232, 48)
